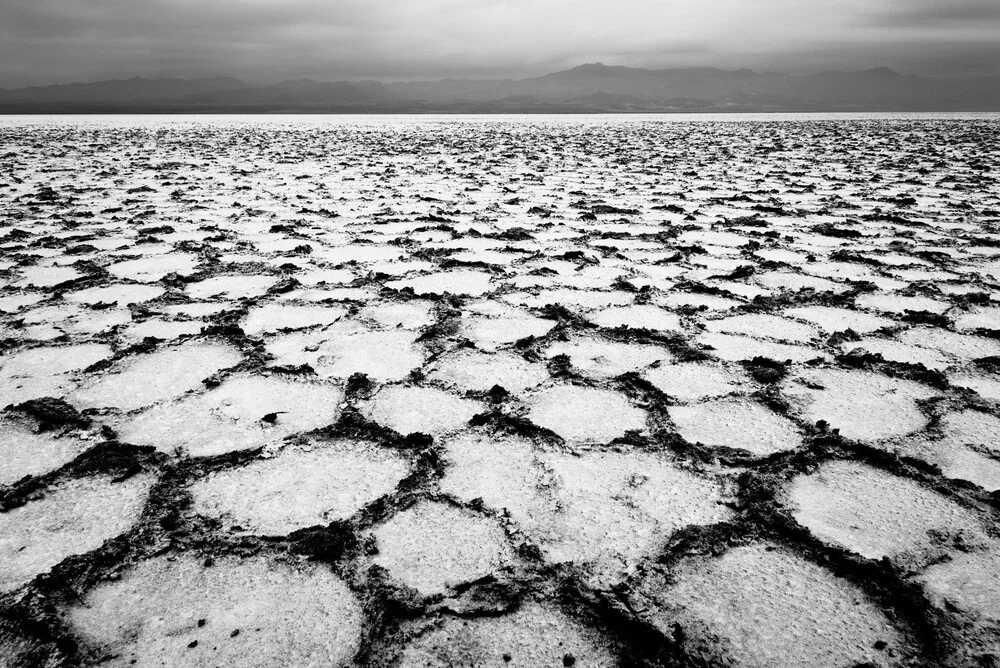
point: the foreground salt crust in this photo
(862, 405)
(74, 517)
(155, 268)
(234, 286)
(44, 371)
(427, 410)
(966, 448)
(177, 610)
(693, 381)
(497, 332)
(877, 514)
(607, 359)
(473, 283)
(603, 512)
(298, 487)
(122, 295)
(243, 412)
(383, 356)
(736, 423)
(433, 546)
(969, 581)
(142, 380)
(24, 452)
(274, 317)
(535, 635)
(585, 414)
(762, 325)
(478, 371)
(831, 319)
(733, 348)
(761, 606)
(637, 317)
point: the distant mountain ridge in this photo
(592, 87)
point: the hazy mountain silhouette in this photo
(588, 88)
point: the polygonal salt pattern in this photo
(534, 635)
(299, 487)
(243, 412)
(862, 405)
(877, 514)
(585, 414)
(478, 371)
(432, 546)
(74, 517)
(179, 610)
(142, 380)
(736, 423)
(277, 258)
(25, 451)
(426, 410)
(761, 606)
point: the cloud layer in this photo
(52, 41)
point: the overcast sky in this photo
(57, 41)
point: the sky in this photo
(60, 41)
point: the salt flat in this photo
(439, 391)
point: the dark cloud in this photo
(50, 41)
(972, 14)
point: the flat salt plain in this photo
(500, 391)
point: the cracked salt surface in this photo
(535, 635)
(877, 514)
(299, 488)
(584, 414)
(693, 381)
(384, 356)
(116, 294)
(432, 546)
(761, 606)
(74, 517)
(767, 326)
(141, 380)
(477, 371)
(243, 412)
(736, 423)
(176, 610)
(427, 410)
(862, 405)
(604, 512)
(24, 451)
(607, 359)
(44, 371)
(212, 325)
(275, 317)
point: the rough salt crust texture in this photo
(598, 392)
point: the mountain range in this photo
(587, 88)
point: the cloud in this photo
(47, 41)
(956, 14)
